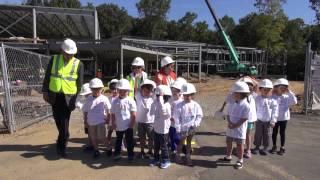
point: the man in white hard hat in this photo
(166, 75)
(61, 85)
(137, 75)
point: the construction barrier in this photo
(21, 77)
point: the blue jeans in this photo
(174, 139)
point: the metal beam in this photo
(85, 25)
(8, 19)
(73, 24)
(53, 26)
(121, 61)
(12, 24)
(7, 31)
(147, 51)
(34, 22)
(56, 17)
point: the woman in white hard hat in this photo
(62, 83)
(285, 98)
(96, 114)
(137, 75)
(267, 113)
(166, 75)
(238, 113)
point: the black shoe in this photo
(282, 151)
(255, 150)
(263, 152)
(273, 150)
(88, 148)
(109, 152)
(63, 154)
(96, 154)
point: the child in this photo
(161, 110)
(267, 112)
(285, 99)
(81, 99)
(123, 115)
(144, 99)
(238, 113)
(252, 118)
(96, 113)
(114, 95)
(187, 116)
(174, 100)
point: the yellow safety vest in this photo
(63, 77)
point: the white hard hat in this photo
(240, 87)
(183, 80)
(138, 61)
(247, 80)
(266, 83)
(164, 89)
(188, 88)
(113, 81)
(178, 84)
(148, 82)
(166, 60)
(96, 83)
(69, 46)
(123, 84)
(85, 89)
(281, 81)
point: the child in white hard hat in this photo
(252, 118)
(97, 112)
(285, 98)
(81, 99)
(174, 100)
(123, 115)
(114, 95)
(144, 99)
(267, 113)
(238, 113)
(187, 117)
(161, 110)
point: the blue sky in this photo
(233, 8)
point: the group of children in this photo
(166, 118)
(267, 107)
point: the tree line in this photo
(268, 28)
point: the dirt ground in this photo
(30, 153)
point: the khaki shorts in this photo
(98, 131)
(236, 140)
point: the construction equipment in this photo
(234, 67)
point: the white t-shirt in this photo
(111, 99)
(267, 109)
(122, 109)
(143, 108)
(253, 111)
(284, 102)
(187, 115)
(81, 100)
(237, 111)
(97, 108)
(162, 114)
(173, 103)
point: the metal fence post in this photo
(8, 105)
(307, 79)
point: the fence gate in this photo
(21, 78)
(312, 81)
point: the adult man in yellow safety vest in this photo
(62, 82)
(137, 75)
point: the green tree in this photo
(227, 23)
(36, 2)
(186, 26)
(270, 7)
(65, 3)
(315, 5)
(153, 18)
(113, 20)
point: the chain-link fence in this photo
(22, 74)
(312, 81)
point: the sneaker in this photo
(255, 150)
(247, 155)
(273, 150)
(109, 152)
(154, 163)
(165, 164)
(88, 148)
(96, 154)
(263, 152)
(117, 157)
(282, 151)
(238, 165)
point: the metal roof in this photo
(51, 23)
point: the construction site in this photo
(30, 35)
